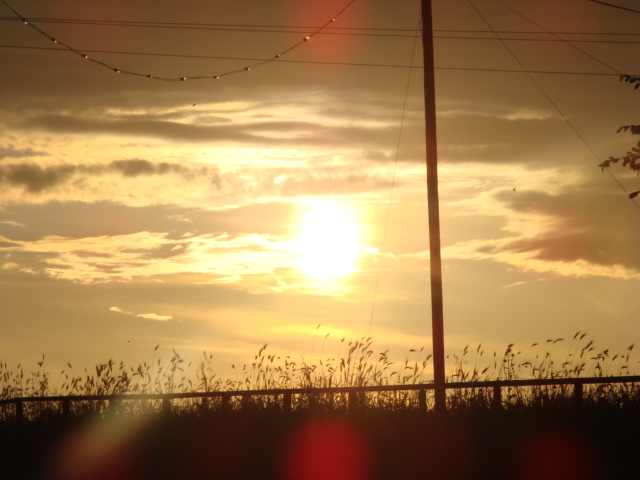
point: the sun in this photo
(327, 242)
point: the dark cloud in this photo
(162, 129)
(4, 244)
(591, 225)
(271, 133)
(472, 137)
(175, 115)
(9, 151)
(33, 177)
(136, 167)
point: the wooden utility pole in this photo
(437, 316)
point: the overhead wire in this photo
(183, 78)
(335, 30)
(615, 6)
(568, 42)
(316, 62)
(261, 62)
(542, 90)
(395, 171)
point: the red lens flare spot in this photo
(327, 448)
(555, 455)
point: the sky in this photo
(286, 204)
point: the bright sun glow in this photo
(328, 242)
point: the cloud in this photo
(257, 262)
(558, 231)
(574, 231)
(471, 136)
(120, 310)
(10, 152)
(148, 316)
(12, 223)
(36, 179)
(153, 316)
(277, 131)
(148, 254)
(33, 177)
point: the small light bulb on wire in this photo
(216, 77)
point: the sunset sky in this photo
(224, 214)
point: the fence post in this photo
(577, 394)
(286, 403)
(166, 405)
(66, 409)
(422, 400)
(353, 402)
(19, 412)
(113, 406)
(313, 402)
(497, 397)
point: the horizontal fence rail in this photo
(354, 394)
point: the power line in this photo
(178, 79)
(311, 62)
(615, 6)
(537, 39)
(542, 90)
(335, 30)
(395, 171)
(338, 31)
(570, 43)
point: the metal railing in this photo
(355, 395)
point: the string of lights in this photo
(335, 30)
(311, 62)
(247, 68)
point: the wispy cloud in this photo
(146, 254)
(148, 316)
(12, 223)
(154, 316)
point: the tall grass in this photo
(359, 365)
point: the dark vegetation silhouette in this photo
(540, 431)
(631, 159)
